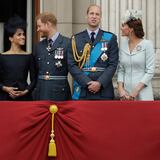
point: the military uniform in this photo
(100, 66)
(51, 62)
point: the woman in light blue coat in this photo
(136, 60)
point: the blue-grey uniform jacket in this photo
(52, 70)
(104, 67)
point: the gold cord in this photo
(81, 59)
(52, 151)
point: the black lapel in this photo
(86, 38)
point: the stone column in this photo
(63, 11)
(29, 26)
(1, 36)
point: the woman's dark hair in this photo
(13, 24)
(137, 26)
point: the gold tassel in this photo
(52, 152)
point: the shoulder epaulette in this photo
(79, 33)
(109, 32)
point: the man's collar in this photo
(96, 31)
(54, 37)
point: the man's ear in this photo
(49, 23)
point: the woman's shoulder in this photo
(124, 43)
(147, 43)
(124, 40)
(27, 53)
(3, 53)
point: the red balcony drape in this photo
(84, 130)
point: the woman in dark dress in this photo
(15, 64)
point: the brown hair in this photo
(47, 17)
(92, 5)
(137, 26)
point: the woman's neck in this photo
(15, 49)
(134, 39)
(133, 42)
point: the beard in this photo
(43, 34)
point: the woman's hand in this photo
(123, 94)
(14, 92)
(134, 94)
(21, 93)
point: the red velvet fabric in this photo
(84, 130)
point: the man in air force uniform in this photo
(93, 59)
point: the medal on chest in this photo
(104, 46)
(59, 53)
(104, 57)
(58, 64)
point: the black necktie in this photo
(50, 43)
(92, 36)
